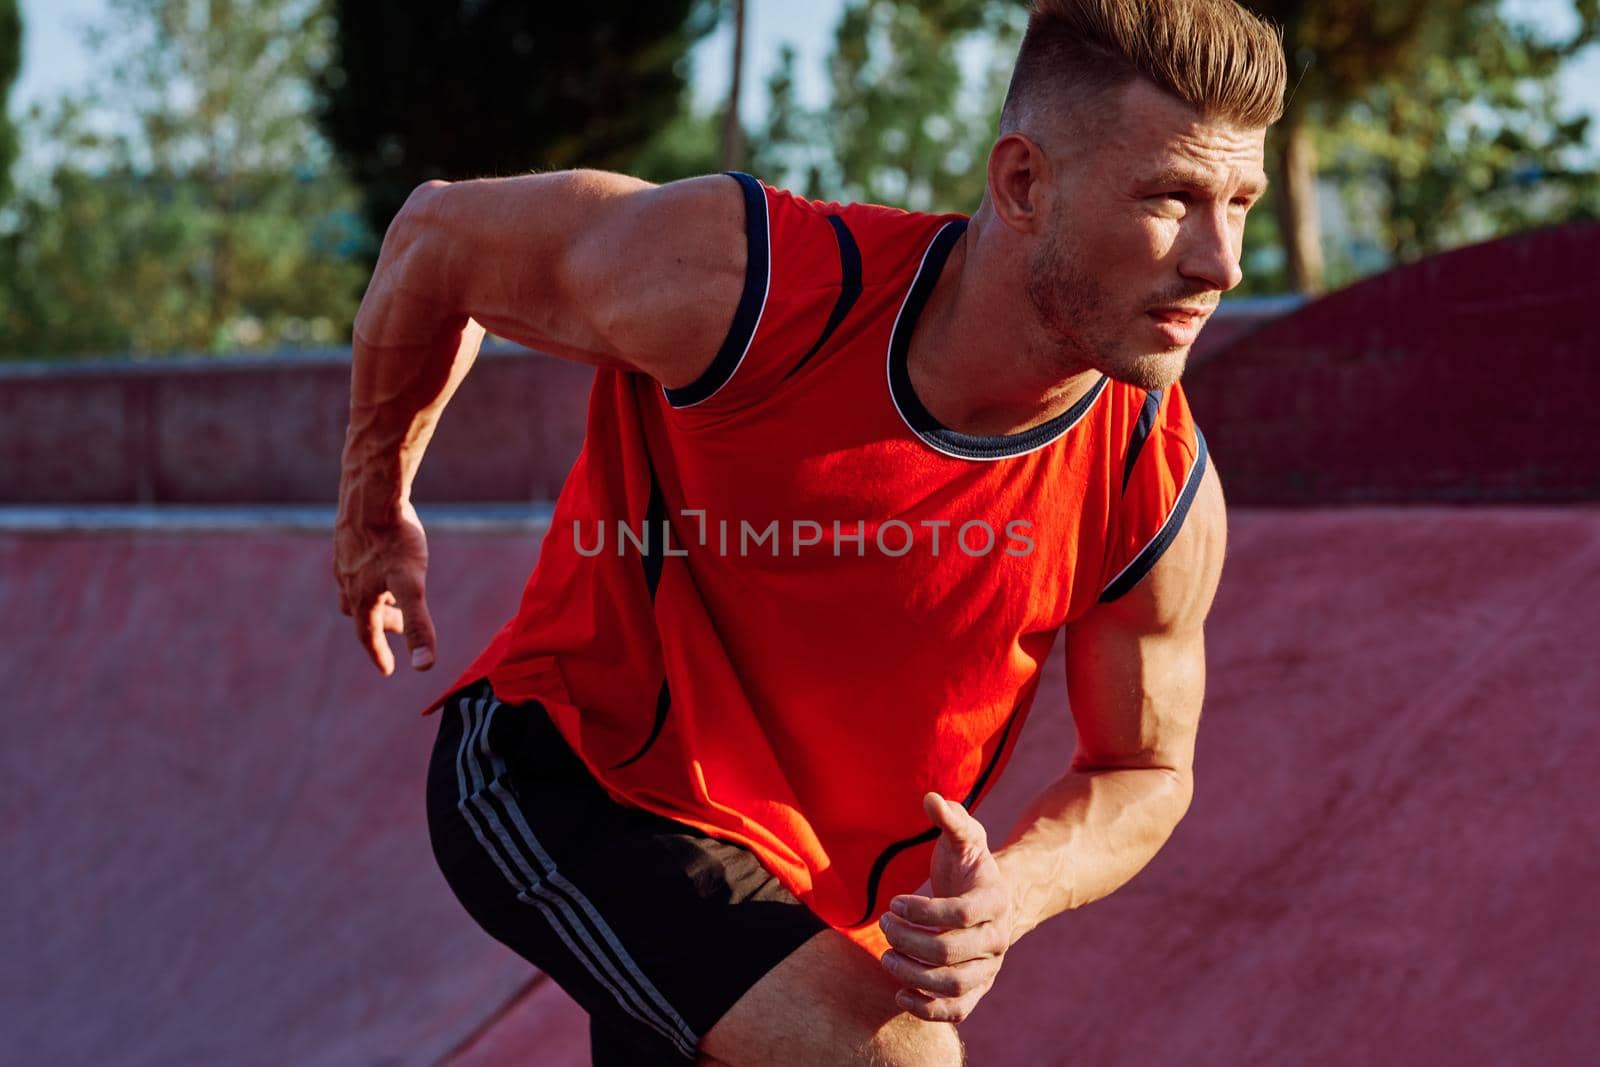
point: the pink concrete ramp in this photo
(214, 833)
(216, 852)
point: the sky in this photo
(54, 58)
(769, 24)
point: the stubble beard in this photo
(1079, 316)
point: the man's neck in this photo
(978, 361)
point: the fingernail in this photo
(421, 657)
(898, 907)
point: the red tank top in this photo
(781, 603)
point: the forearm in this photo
(1086, 835)
(412, 347)
(391, 423)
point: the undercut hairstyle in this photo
(1223, 60)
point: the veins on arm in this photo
(1135, 679)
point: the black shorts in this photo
(653, 927)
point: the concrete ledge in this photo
(270, 431)
(288, 518)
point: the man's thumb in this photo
(419, 632)
(956, 821)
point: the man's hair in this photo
(1221, 59)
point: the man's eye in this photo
(1182, 198)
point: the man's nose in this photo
(1211, 252)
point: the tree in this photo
(1335, 51)
(10, 64)
(908, 122)
(1474, 144)
(1414, 66)
(791, 147)
(443, 89)
(732, 126)
(191, 204)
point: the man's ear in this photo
(1018, 171)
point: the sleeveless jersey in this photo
(782, 602)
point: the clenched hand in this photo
(947, 948)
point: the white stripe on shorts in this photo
(552, 893)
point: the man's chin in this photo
(1150, 371)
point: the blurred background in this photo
(179, 176)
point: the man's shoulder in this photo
(885, 238)
(887, 227)
(865, 212)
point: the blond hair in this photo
(1215, 55)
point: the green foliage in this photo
(905, 125)
(687, 146)
(190, 204)
(1438, 121)
(10, 65)
(444, 89)
(1262, 258)
(1336, 51)
(1471, 142)
(791, 147)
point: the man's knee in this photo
(894, 1045)
(902, 1042)
(906, 1041)
(829, 1002)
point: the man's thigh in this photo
(828, 1002)
(654, 928)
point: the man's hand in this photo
(947, 948)
(381, 572)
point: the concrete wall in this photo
(230, 431)
(269, 430)
(216, 850)
(1469, 377)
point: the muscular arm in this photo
(592, 267)
(1135, 678)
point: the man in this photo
(847, 472)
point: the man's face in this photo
(1144, 233)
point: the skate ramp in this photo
(216, 848)
(214, 830)
(215, 841)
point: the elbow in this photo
(412, 245)
(1171, 787)
(1171, 793)
(421, 206)
(426, 191)
(419, 210)
(1181, 786)
(1165, 788)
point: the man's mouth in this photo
(1179, 325)
(1179, 312)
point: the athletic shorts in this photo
(654, 928)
